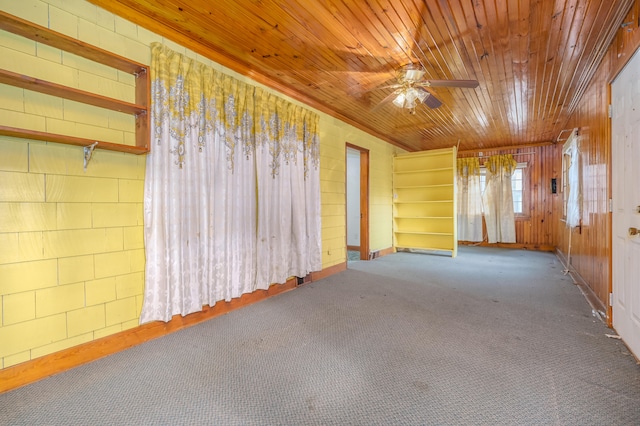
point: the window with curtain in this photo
(518, 187)
(498, 199)
(232, 199)
(469, 200)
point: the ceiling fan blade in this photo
(431, 101)
(391, 96)
(471, 84)
(388, 86)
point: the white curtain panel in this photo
(288, 173)
(498, 199)
(202, 195)
(574, 199)
(469, 200)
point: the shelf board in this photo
(423, 233)
(441, 185)
(445, 153)
(423, 217)
(54, 89)
(422, 202)
(440, 169)
(69, 140)
(398, 246)
(44, 35)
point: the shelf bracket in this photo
(140, 72)
(88, 152)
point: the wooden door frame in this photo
(364, 198)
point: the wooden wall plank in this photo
(536, 228)
(591, 245)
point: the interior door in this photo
(361, 179)
(625, 152)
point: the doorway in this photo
(357, 202)
(625, 195)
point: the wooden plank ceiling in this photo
(533, 59)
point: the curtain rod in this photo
(487, 156)
(509, 147)
(573, 131)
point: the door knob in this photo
(633, 231)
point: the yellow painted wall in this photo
(334, 135)
(71, 242)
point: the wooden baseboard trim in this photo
(315, 276)
(48, 365)
(534, 247)
(387, 251)
(354, 248)
(596, 304)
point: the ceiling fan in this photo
(410, 90)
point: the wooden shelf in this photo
(44, 35)
(422, 154)
(426, 248)
(69, 140)
(53, 89)
(139, 109)
(444, 185)
(425, 215)
(422, 202)
(423, 233)
(424, 170)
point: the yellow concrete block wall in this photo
(335, 134)
(69, 262)
(71, 241)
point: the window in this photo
(517, 187)
(566, 163)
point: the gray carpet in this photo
(493, 336)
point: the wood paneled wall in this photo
(536, 228)
(591, 245)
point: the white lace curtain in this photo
(232, 200)
(571, 155)
(469, 200)
(498, 199)
(287, 155)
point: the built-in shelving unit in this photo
(140, 109)
(424, 201)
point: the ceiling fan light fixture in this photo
(400, 100)
(411, 95)
(411, 90)
(421, 95)
(413, 74)
(409, 98)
